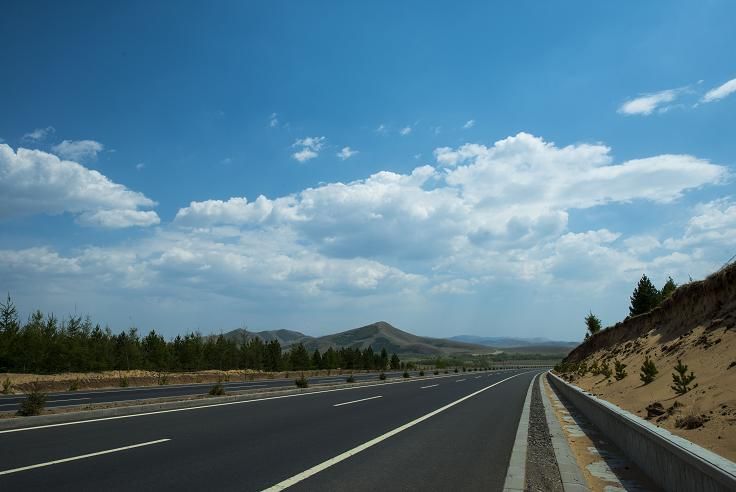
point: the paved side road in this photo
(446, 433)
(85, 397)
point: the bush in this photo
(436, 373)
(217, 390)
(421, 373)
(301, 382)
(406, 374)
(124, 383)
(34, 402)
(606, 370)
(456, 369)
(350, 379)
(648, 371)
(447, 372)
(163, 378)
(7, 386)
(620, 368)
(681, 380)
(74, 385)
(382, 376)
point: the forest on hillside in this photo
(44, 344)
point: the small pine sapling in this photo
(620, 368)
(681, 380)
(648, 371)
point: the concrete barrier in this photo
(672, 462)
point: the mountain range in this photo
(380, 335)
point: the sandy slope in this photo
(698, 326)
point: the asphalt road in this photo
(85, 397)
(447, 433)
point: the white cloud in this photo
(78, 150)
(273, 120)
(405, 131)
(381, 129)
(720, 92)
(140, 166)
(346, 153)
(33, 181)
(39, 134)
(469, 124)
(309, 148)
(648, 103)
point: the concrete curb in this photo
(672, 462)
(516, 473)
(572, 477)
(142, 409)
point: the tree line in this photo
(644, 298)
(45, 344)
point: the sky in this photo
(486, 168)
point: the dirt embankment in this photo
(696, 325)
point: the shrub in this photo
(74, 385)
(382, 376)
(163, 378)
(447, 372)
(34, 402)
(648, 371)
(406, 374)
(7, 386)
(464, 369)
(301, 382)
(217, 390)
(690, 422)
(124, 383)
(436, 373)
(620, 370)
(456, 369)
(421, 373)
(681, 380)
(606, 370)
(350, 379)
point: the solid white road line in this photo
(347, 454)
(201, 407)
(430, 386)
(245, 386)
(81, 457)
(459, 380)
(478, 377)
(356, 401)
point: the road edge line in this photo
(516, 471)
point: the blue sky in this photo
(493, 169)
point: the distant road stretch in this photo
(447, 433)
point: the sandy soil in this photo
(708, 350)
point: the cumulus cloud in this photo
(39, 134)
(78, 150)
(718, 93)
(273, 120)
(346, 153)
(645, 104)
(309, 148)
(469, 124)
(405, 131)
(33, 181)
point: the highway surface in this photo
(85, 397)
(453, 432)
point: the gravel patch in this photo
(542, 473)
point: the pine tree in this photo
(668, 288)
(395, 362)
(299, 357)
(645, 297)
(648, 371)
(317, 360)
(620, 369)
(592, 323)
(681, 380)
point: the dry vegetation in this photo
(696, 325)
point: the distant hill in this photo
(535, 344)
(377, 335)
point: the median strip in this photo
(81, 457)
(347, 454)
(357, 401)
